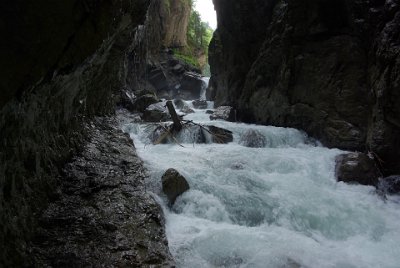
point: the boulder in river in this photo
(220, 135)
(252, 138)
(187, 110)
(142, 102)
(200, 104)
(126, 99)
(191, 86)
(356, 167)
(179, 104)
(173, 184)
(389, 185)
(156, 113)
(226, 113)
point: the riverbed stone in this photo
(173, 184)
(358, 168)
(187, 110)
(142, 102)
(179, 103)
(226, 113)
(220, 135)
(252, 138)
(101, 215)
(156, 113)
(200, 104)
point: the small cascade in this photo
(206, 81)
(278, 205)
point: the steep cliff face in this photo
(61, 63)
(176, 22)
(235, 45)
(330, 68)
(152, 64)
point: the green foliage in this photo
(199, 35)
(187, 57)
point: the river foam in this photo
(278, 206)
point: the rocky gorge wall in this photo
(330, 68)
(62, 63)
(152, 65)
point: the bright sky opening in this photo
(207, 12)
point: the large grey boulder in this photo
(252, 138)
(173, 184)
(357, 167)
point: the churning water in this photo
(278, 206)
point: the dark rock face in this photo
(173, 184)
(167, 82)
(330, 68)
(357, 167)
(126, 99)
(156, 113)
(226, 113)
(62, 63)
(252, 138)
(389, 185)
(191, 86)
(53, 38)
(101, 214)
(142, 102)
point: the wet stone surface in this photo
(101, 215)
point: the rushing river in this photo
(278, 206)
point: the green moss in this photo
(187, 57)
(168, 5)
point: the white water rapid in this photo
(278, 206)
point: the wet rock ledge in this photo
(101, 215)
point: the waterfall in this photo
(275, 206)
(206, 80)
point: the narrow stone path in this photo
(101, 215)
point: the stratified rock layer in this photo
(101, 214)
(331, 68)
